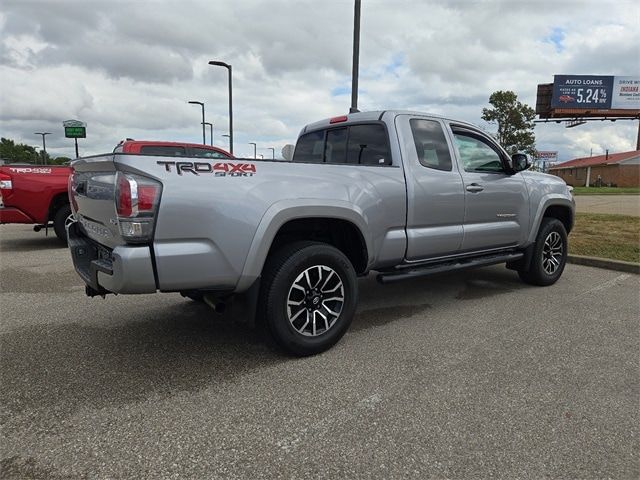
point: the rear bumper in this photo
(14, 215)
(125, 269)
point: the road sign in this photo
(74, 129)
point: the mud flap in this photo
(523, 264)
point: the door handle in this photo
(474, 187)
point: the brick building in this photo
(615, 169)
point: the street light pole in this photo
(228, 67)
(255, 147)
(273, 152)
(226, 135)
(210, 131)
(193, 102)
(356, 57)
(44, 146)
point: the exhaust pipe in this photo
(217, 305)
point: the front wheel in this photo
(309, 294)
(549, 254)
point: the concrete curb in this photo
(618, 265)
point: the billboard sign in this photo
(626, 93)
(596, 92)
(547, 156)
(74, 129)
(582, 91)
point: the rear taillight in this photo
(123, 195)
(137, 199)
(5, 182)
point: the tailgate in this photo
(92, 193)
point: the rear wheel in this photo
(309, 294)
(549, 254)
(61, 219)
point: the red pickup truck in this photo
(37, 194)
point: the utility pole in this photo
(228, 67)
(44, 146)
(193, 102)
(210, 132)
(254, 149)
(356, 57)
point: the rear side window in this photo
(431, 144)
(165, 151)
(206, 153)
(310, 148)
(368, 145)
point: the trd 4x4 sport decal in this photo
(220, 169)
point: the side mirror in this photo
(519, 162)
(287, 152)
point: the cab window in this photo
(476, 153)
(365, 144)
(368, 145)
(335, 150)
(310, 148)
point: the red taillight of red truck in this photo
(6, 184)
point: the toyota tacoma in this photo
(403, 194)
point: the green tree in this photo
(515, 122)
(19, 152)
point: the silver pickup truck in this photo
(403, 194)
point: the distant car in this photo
(567, 98)
(170, 149)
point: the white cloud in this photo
(129, 68)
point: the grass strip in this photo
(606, 236)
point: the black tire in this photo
(286, 267)
(59, 221)
(537, 275)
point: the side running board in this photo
(451, 266)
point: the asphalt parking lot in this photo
(459, 376)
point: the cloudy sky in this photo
(128, 68)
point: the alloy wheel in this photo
(315, 300)
(552, 252)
